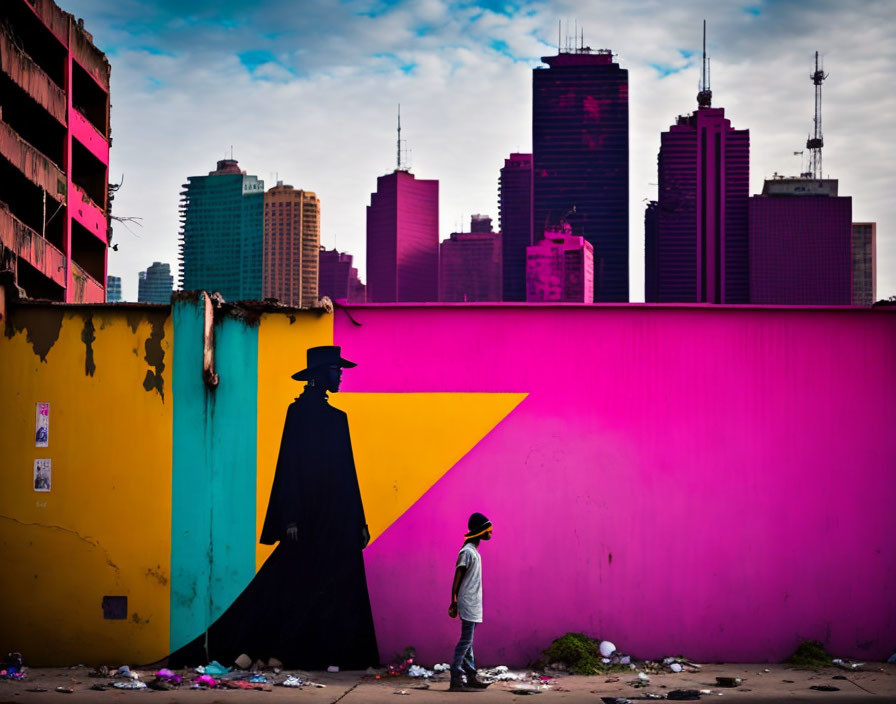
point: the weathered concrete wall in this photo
(104, 527)
(656, 475)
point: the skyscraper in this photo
(515, 223)
(113, 289)
(560, 267)
(864, 263)
(291, 244)
(701, 214)
(338, 279)
(800, 243)
(155, 284)
(54, 153)
(403, 239)
(580, 157)
(470, 263)
(650, 277)
(222, 233)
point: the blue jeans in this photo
(463, 653)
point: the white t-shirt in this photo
(469, 595)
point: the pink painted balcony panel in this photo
(32, 163)
(30, 246)
(88, 213)
(90, 137)
(31, 78)
(85, 289)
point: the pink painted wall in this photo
(711, 481)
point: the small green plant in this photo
(810, 655)
(578, 652)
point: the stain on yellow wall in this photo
(104, 528)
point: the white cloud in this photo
(322, 114)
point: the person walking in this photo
(466, 602)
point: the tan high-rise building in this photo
(291, 244)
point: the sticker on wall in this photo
(42, 425)
(43, 471)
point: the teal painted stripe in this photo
(213, 469)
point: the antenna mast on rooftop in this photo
(704, 97)
(398, 142)
(816, 142)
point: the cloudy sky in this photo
(306, 90)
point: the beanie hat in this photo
(478, 525)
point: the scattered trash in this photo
(728, 681)
(243, 662)
(643, 677)
(848, 664)
(684, 695)
(258, 679)
(101, 671)
(169, 676)
(824, 688)
(417, 671)
(441, 667)
(606, 648)
(766, 670)
(675, 667)
(402, 691)
(524, 689)
(125, 671)
(499, 674)
(615, 700)
(161, 684)
(65, 690)
(130, 684)
(292, 681)
(204, 681)
(333, 668)
(214, 668)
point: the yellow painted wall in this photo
(104, 528)
(282, 342)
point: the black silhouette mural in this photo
(308, 606)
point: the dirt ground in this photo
(761, 683)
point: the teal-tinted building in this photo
(222, 233)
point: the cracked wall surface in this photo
(105, 524)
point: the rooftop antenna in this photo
(816, 142)
(231, 152)
(704, 97)
(559, 29)
(398, 142)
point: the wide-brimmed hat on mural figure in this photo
(320, 358)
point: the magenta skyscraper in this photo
(515, 223)
(800, 243)
(580, 158)
(470, 264)
(403, 239)
(699, 253)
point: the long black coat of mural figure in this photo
(308, 606)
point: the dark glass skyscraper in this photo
(701, 220)
(515, 223)
(155, 284)
(580, 158)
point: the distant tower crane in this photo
(816, 142)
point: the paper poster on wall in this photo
(42, 425)
(43, 470)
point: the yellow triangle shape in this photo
(405, 443)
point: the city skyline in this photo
(463, 76)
